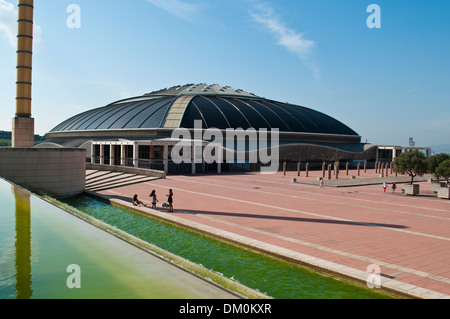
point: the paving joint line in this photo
(362, 258)
(333, 202)
(359, 199)
(401, 269)
(311, 261)
(329, 217)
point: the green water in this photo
(38, 243)
(277, 278)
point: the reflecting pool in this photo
(47, 253)
(276, 278)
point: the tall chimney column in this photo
(23, 123)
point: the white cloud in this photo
(291, 40)
(77, 107)
(125, 94)
(443, 121)
(8, 21)
(183, 10)
(37, 35)
(8, 24)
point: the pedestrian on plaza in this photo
(170, 200)
(384, 186)
(321, 182)
(154, 199)
(137, 202)
(394, 187)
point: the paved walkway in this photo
(340, 230)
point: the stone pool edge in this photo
(358, 277)
(233, 287)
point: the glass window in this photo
(191, 115)
(155, 119)
(144, 152)
(150, 115)
(157, 152)
(234, 116)
(251, 113)
(117, 119)
(212, 115)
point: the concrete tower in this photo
(23, 123)
(56, 172)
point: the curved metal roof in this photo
(216, 106)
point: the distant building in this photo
(138, 131)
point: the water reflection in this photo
(23, 243)
(35, 264)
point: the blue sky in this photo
(387, 83)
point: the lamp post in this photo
(23, 123)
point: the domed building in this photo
(138, 131)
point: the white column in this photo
(166, 158)
(102, 153)
(219, 159)
(151, 154)
(135, 155)
(193, 148)
(122, 155)
(111, 154)
(92, 153)
(203, 162)
(219, 168)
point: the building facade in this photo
(139, 131)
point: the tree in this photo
(434, 161)
(412, 163)
(443, 170)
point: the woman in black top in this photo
(170, 200)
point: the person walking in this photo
(321, 182)
(384, 186)
(394, 187)
(170, 200)
(154, 199)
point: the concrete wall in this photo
(56, 172)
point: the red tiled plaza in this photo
(343, 230)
